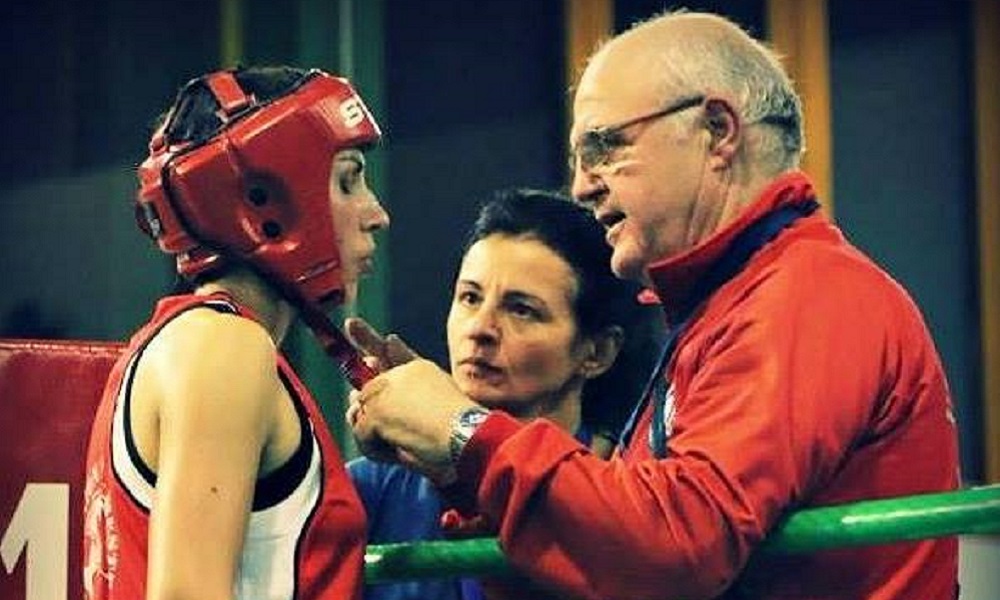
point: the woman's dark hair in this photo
(603, 300)
(194, 113)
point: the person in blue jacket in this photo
(540, 327)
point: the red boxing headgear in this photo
(257, 189)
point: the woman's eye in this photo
(350, 180)
(467, 298)
(525, 311)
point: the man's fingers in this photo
(353, 412)
(397, 351)
(391, 350)
(365, 337)
(354, 409)
(367, 439)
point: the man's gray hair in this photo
(727, 61)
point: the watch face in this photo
(463, 428)
(473, 417)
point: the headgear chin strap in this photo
(257, 190)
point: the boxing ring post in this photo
(970, 511)
(48, 395)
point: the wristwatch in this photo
(463, 425)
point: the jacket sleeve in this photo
(772, 390)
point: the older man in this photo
(797, 372)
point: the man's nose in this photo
(587, 188)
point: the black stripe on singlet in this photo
(280, 483)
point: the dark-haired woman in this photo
(538, 327)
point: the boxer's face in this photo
(357, 215)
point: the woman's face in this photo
(512, 334)
(357, 215)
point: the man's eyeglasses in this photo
(596, 145)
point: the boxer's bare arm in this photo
(213, 380)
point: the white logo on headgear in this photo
(352, 111)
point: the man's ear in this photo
(725, 130)
(602, 350)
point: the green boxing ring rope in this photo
(974, 510)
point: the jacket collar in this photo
(674, 278)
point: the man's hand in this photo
(404, 414)
(384, 352)
(372, 446)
